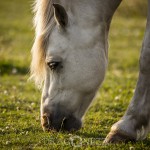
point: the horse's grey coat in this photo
(76, 43)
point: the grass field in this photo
(20, 100)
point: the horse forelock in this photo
(43, 23)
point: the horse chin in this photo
(69, 123)
(72, 124)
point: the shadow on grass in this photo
(146, 142)
(7, 68)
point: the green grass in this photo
(20, 100)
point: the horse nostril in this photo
(45, 122)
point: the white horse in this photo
(70, 57)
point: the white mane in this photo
(43, 23)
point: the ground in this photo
(20, 101)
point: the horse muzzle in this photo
(60, 123)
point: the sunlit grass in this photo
(20, 101)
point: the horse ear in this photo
(60, 15)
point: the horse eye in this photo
(54, 62)
(53, 65)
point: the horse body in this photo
(71, 44)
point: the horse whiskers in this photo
(62, 123)
(48, 123)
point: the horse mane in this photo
(43, 23)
